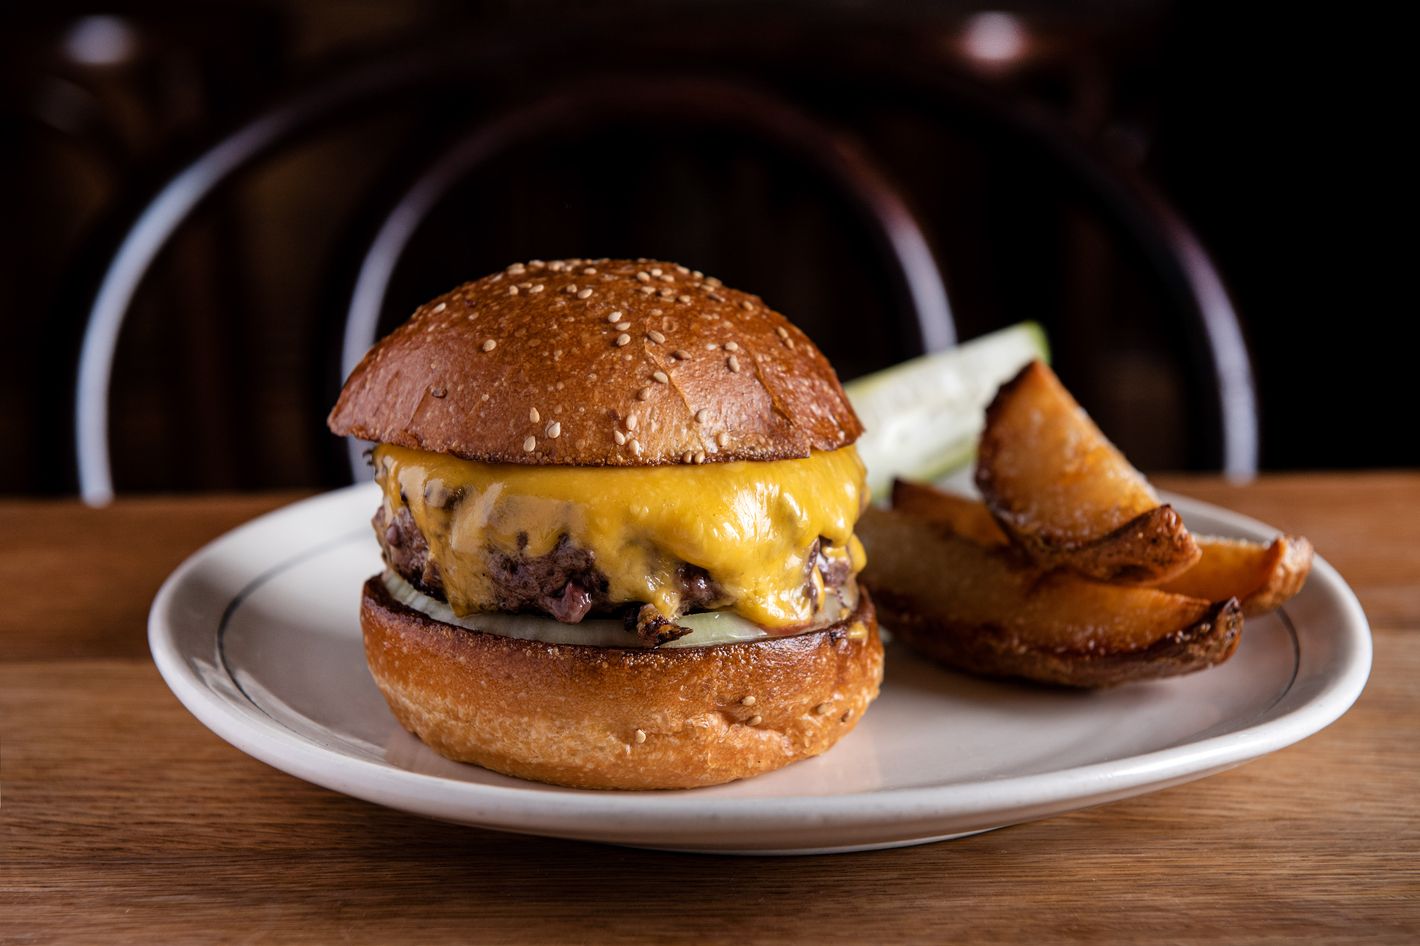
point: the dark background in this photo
(1271, 132)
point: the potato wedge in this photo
(968, 518)
(1066, 495)
(1262, 577)
(987, 612)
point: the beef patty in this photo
(566, 583)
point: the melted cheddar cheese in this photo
(751, 526)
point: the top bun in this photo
(598, 363)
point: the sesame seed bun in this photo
(598, 363)
(621, 718)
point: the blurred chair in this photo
(86, 100)
(765, 117)
(739, 99)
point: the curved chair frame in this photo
(730, 104)
(1127, 201)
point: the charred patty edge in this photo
(566, 584)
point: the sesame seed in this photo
(748, 701)
(746, 305)
(714, 297)
(623, 339)
(631, 421)
(440, 307)
(687, 456)
(667, 277)
(697, 274)
(571, 289)
(713, 346)
(734, 363)
(723, 439)
(517, 268)
(644, 394)
(682, 270)
(682, 299)
(512, 290)
(781, 331)
(619, 437)
(640, 736)
(700, 456)
(656, 271)
(657, 312)
(681, 354)
(732, 346)
(554, 430)
(754, 720)
(585, 294)
(712, 281)
(665, 293)
(623, 326)
(589, 271)
(539, 287)
(656, 336)
(636, 447)
(614, 316)
(530, 445)
(661, 377)
(536, 263)
(534, 416)
(643, 277)
(702, 415)
(823, 709)
(647, 290)
(489, 344)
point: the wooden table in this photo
(126, 821)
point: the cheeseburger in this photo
(617, 525)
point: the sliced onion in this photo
(707, 628)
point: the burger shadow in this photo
(452, 871)
(419, 861)
(417, 855)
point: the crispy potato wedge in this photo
(1066, 495)
(968, 518)
(1262, 577)
(988, 612)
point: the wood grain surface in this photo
(123, 820)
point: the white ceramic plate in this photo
(258, 636)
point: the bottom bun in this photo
(625, 718)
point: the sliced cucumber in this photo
(923, 416)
